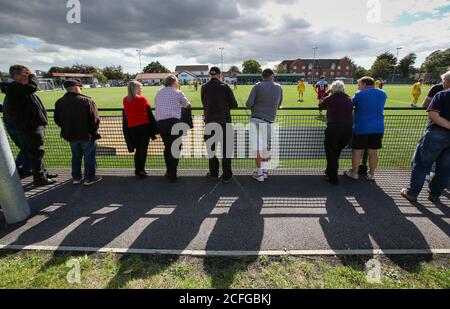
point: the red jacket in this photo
(136, 111)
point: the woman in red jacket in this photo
(136, 109)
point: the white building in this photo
(201, 72)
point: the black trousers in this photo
(165, 129)
(34, 143)
(141, 140)
(214, 165)
(337, 137)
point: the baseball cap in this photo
(214, 71)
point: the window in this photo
(310, 66)
(348, 68)
(317, 73)
(332, 73)
(339, 67)
(333, 66)
(303, 67)
(295, 67)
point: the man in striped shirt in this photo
(168, 103)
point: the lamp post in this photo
(139, 51)
(395, 67)
(314, 62)
(221, 58)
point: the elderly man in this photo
(265, 99)
(29, 119)
(339, 130)
(434, 147)
(368, 128)
(77, 116)
(168, 103)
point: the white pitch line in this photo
(203, 253)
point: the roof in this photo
(192, 68)
(276, 75)
(323, 63)
(187, 72)
(144, 76)
(71, 75)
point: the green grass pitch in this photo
(398, 96)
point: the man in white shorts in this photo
(264, 101)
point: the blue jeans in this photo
(434, 147)
(86, 149)
(22, 162)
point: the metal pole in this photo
(395, 67)
(12, 198)
(140, 61)
(221, 57)
(314, 63)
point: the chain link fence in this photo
(297, 142)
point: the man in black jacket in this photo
(29, 118)
(218, 100)
(77, 116)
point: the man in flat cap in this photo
(77, 116)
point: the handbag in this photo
(186, 117)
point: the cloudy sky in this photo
(36, 33)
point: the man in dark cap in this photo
(27, 114)
(218, 100)
(77, 116)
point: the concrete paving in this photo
(285, 215)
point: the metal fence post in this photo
(12, 198)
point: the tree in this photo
(437, 63)
(281, 69)
(84, 69)
(251, 67)
(381, 68)
(360, 72)
(100, 77)
(1, 77)
(406, 65)
(234, 69)
(156, 67)
(114, 72)
(384, 65)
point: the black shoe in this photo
(24, 175)
(90, 182)
(211, 177)
(140, 175)
(44, 182)
(51, 176)
(434, 198)
(144, 172)
(227, 180)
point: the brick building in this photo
(313, 69)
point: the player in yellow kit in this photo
(301, 90)
(416, 92)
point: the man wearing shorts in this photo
(265, 99)
(368, 128)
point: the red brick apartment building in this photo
(313, 69)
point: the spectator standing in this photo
(339, 130)
(433, 148)
(29, 118)
(368, 128)
(139, 126)
(264, 101)
(168, 103)
(77, 116)
(218, 100)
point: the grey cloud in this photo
(119, 24)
